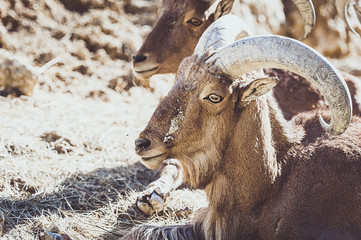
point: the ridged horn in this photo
(308, 14)
(221, 33)
(258, 52)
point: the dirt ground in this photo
(67, 150)
(67, 147)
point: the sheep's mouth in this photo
(143, 74)
(147, 70)
(153, 162)
(149, 158)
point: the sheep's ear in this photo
(223, 8)
(258, 87)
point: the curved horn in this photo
(258, 52)
(342, 6)
(221, 33)
(308, 15)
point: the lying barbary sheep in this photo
(265, 177)
(181, 24)
(293, 94)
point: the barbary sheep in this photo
(293, 94)
(181, 23)
(265, 177)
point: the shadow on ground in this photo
(80, 193)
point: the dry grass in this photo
(68, 161)
(67, 151)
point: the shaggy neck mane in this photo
(249, 168)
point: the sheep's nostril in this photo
(141, 144)
(139, 58)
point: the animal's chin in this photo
(145, 74)
(153, 162)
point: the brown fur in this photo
(173, 28)
(265, 177)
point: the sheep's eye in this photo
(214, 98)
(195, 22)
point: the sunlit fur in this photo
(265, 177)
(172, 38)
